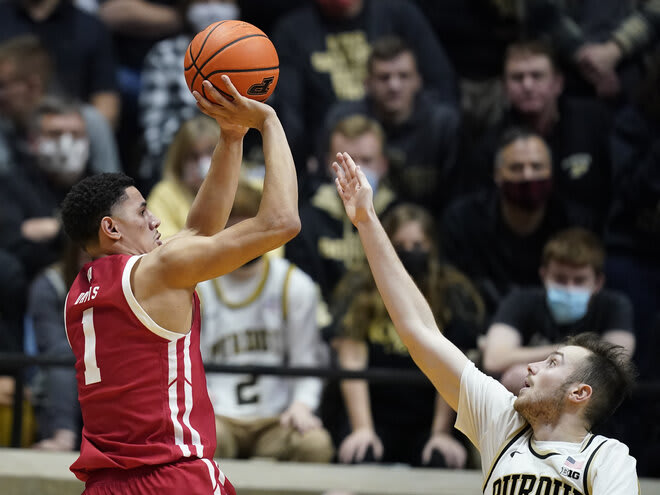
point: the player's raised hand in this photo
(353, 188)
(235, 114)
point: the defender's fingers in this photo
(350, 164)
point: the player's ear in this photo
(108, 228)
(579, 393)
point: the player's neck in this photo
(567, 429)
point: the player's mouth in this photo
(158, 241)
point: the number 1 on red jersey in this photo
(92, 371)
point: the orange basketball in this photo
(238, 49)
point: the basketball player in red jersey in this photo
(133, 318)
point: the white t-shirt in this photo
(268, 320)
(514, 463)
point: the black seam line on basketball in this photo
(230, 44)
(238, 70)
(194, 59)
(201, 48)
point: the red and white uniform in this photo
(142, 388)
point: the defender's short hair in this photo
(609, 372)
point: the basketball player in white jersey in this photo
(264, 314)
(539, 443)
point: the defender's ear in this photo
(580, 393)
(108, 228)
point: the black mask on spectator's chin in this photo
(527, 194)
(415, 261)
(337, 8)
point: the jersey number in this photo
(243, 395)
(92, 371)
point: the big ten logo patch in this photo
(345, 61)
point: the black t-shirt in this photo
(478, 242)
(526, 311)
(580, 147)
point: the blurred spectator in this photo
(421, 133)
(263, 313)
(323, 48)
(531, 322)
(496, 236)
(265, 13)
(135, 26)
(401, 422)
(576, 130)
(57, 157)
(56, 400)
(328, 244)
(475, 35)
(13, 284)
(165, 101)
(569, 25)
(599, 59)
(633, 229)
(25, 80)
(79, 44)
(186, 164)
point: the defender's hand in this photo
(353, 188)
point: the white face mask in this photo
(63, 157)
(201, 15)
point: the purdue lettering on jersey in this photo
(250, 340)
(530, 484)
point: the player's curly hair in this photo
(608, 370)
(89, 201)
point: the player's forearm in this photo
(212, 205)
(410, 313)
(413, 319)
(358, 405)
(279, 203)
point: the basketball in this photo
(238, 49)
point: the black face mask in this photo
(415, 261)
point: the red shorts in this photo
(193, 477)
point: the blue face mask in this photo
(372, 178)
(567, 305)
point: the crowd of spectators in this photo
(513, 147)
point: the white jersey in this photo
(513, 463)
(267, 320)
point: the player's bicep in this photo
(186, 260)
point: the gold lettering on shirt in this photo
(345, 61)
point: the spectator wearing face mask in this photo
(186, 164)
(26, 79)
(164, 101)
(496, 236)
(576, 131)
(530, 322)
(402, 422)
(328, 244)
(56, 157)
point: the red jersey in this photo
(142, 388)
